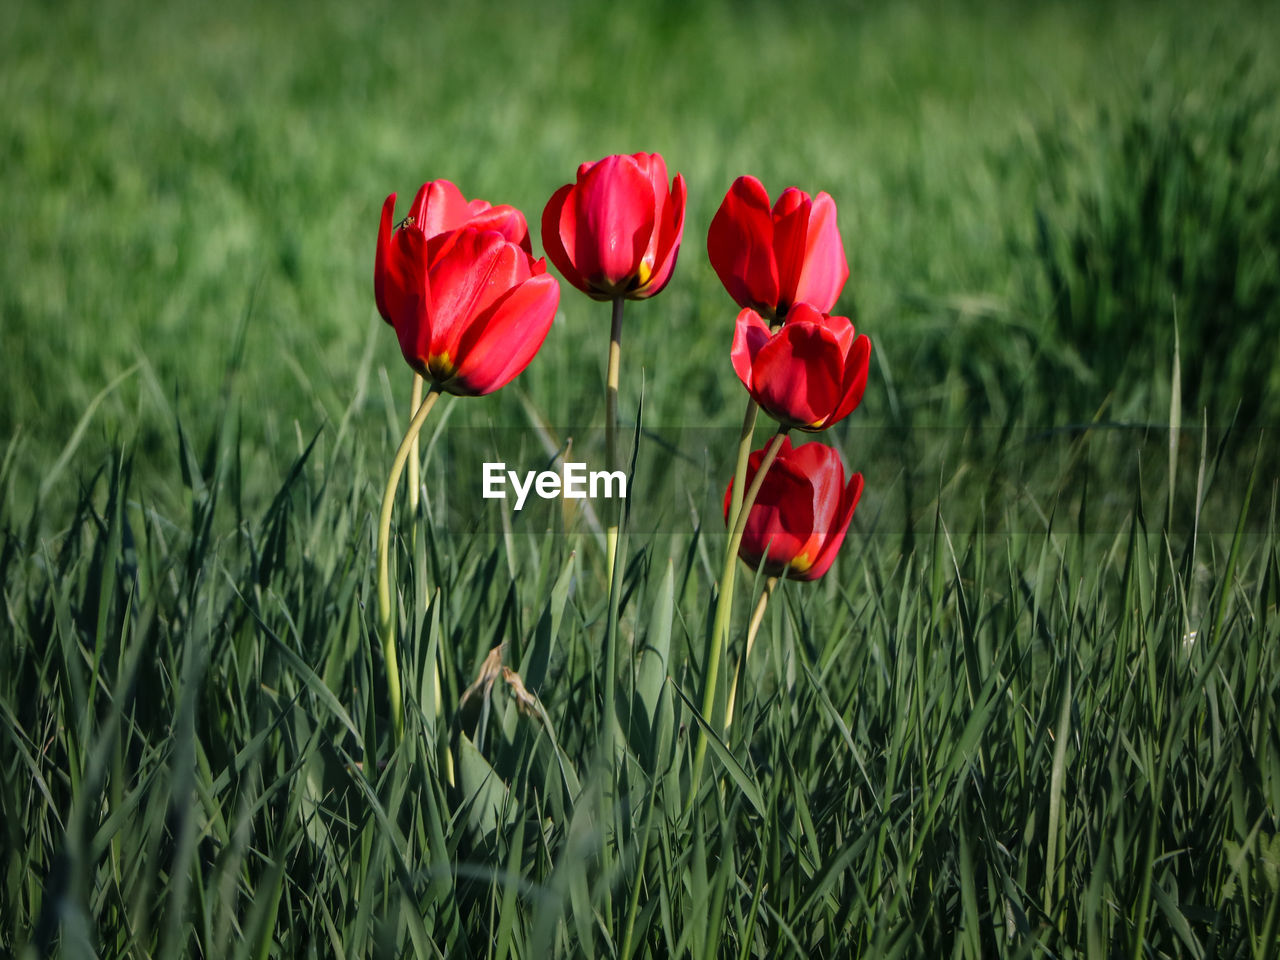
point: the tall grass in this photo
(1168, 219)
(1041, 742)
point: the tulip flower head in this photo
(616, 231)
(439, 207)
(801, 513)
(810, 374)
(770, 259)
(469, 306)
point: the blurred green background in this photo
(1029, 195)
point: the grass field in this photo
(1031, 712)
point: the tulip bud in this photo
(616, 231)
(809, 374)
(801, 513)
(771, 259)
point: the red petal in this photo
(790, 227)
(559, 235)
(406, 292)
(655, 169)
(667, 240)
(381, 256)
(409, 294)
(825, 268)
(750, 333)
(841, 328)
(857, 363)
(498, 346)
(439, 207)
(740, 246)
(820, 465)
(789, 201)
(781, 521)
(653, 166)
(504, 219)
(835, 536)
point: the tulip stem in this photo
(414, 402)
(756, 619)
(615, 513)
(611, 422)
(744, 454)
(724, 606)
(386, 623)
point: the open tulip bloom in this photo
(616, 231)
(770, 259)
(808, 374)
(439, 207)
(469, 306)
(801, 512)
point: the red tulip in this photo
(771, 259)
(469, 306)
(616, 231)
(438, 208)
(809, 374)
(801, 514)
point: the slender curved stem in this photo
(744, 454)
(736, 493)
(610, 726)
(637, 880)
(756, 619)
(724, 607)
(611, 422)
(386, 624)
(615, 515)
(414, 459)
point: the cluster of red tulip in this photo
(471, 306)
(785, 266)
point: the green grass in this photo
(1031, 711)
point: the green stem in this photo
(724, 607)
(414, 402)
(744, 454)
(386, 625)
(638, 880)
(610, 731)
(615, 513)
(611, 423)
(756, 619)
(615, 544)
